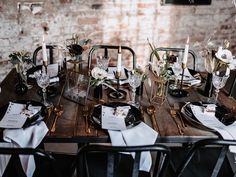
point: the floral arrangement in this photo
(22, 62)
(77, 46)
(99, 77)
(20, 57)
(219, 60)
(160, 66)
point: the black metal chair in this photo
(39, 49)
(175, 52)
(106, 49)
(45, 163)
(206, 164)
(110, 161)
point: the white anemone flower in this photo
(224, 55)
(98, 73)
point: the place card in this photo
(114, 118)
(52, 70)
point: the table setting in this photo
(125, 127)
(24, 127)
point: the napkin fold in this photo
(188, 78)
(209, 120)
(139, 135)
(29, 137)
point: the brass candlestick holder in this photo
(180, 92)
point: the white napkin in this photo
(209, 120)
(29, 137)
(188, 78)
(139, 135)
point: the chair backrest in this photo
(113, 159)
(206, 143)
(44, 161)
(38, 50)
(106, 49)
(176, 52)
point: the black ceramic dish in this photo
(133, 118)
(222, 114)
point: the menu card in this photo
(114, 118)
(17, 114)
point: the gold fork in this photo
(58, 110)
(86, 114)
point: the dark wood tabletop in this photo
(72, 125)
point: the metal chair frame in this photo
(29, 151)
(106, 48)
(224, 144)
(160, 164)
(191, 52)
(50, 48)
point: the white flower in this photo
(98, 73)
(224, 55)
(157, 66)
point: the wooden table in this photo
(70, 127)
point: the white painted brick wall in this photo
(127, 20)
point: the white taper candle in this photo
(45, 59)
(185, 57)
(119, 60)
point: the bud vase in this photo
(98, 92)
(208, 90)
(139, 90)
(20, 88)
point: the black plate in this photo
(133, 118)
(32, 120)
(222, 114)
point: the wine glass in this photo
(103, 62)
(218, 82)
(134, 81)
(43, 81)
(177, 69)
(25, 67)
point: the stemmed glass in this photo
(25, 67)
(103, 62)
(218, 82)
(43, 81)
(177, 69)
(134, 81)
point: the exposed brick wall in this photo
(112, 21)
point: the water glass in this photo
(43, 81)
(177, 69)
(218, 82)
(103, 62)
(134, 81)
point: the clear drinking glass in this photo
(177, 69)
(102, 62)
(25, 67)
(218, 82)
(134, 81)
(43, 81)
